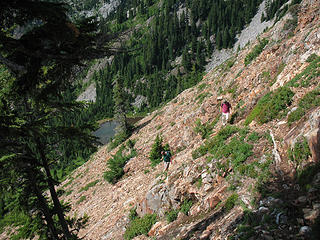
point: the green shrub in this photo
(116, 164)
(306, 175)
(310, 100)
(185, 206)
(155, 153)
(309, 75)
(215, 142)
(133, 214)
(271, 106)
(89, 185)
(172, 215)
(82, 198)
(205, 129)
(256, 51)
(254, 137)
(140, 226)
(231, 202)
(299, 152)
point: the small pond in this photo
(107, 129)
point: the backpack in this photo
(167, 157)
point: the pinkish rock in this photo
(155, 228)
(205, 235)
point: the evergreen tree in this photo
(119, 106)
(40, 61)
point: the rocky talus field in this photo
(256, 178)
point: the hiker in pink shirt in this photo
(226, 110)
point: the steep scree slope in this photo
(220, 178)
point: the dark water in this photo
(106, 131)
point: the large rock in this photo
(309, 129)
(155, 201)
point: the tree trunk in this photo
(53, 192)
(44, 208)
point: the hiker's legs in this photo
(225, 117)
(166, 166)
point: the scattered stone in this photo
(302, 199)
(305, 230)
(267, 237)
(300, 221)
(316, 178)
(205, 235)
(181, 217)
(310, 214)
(155, 228)
(281, 218)
(263, 210)
(270, 202)
(208, 187)
(316, 206)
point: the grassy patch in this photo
(256, 51)
(310, 100)
(89, 185)
(215, 142)
(82, 198)
(202, 96)
(140, 226)
(253, 137)
(299, 152)
(271, 106)
(205, 129)
(185, 206)
(202, 86)
(231, 202)
(172, 215)
(309, 75)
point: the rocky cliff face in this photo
(255, 168)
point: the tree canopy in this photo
(39, 47)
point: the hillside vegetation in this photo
(256, 178)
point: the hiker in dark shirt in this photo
(166, 157)
(226, 110)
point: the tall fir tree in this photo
(40, 61)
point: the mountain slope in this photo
(222, 184)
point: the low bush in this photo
(215, 142)
(140, 226)
(172, 215)
(309, 75)
(116, 164)
(231, 202)
(306, 175)
(256, 51)
(205, 129)
(155, 153)
(185, 206)
(299, 152)
(133, 214)
(310, 100)
(89, 185)
(271, 106)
